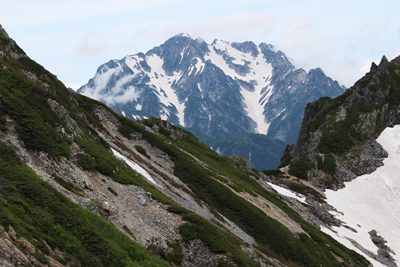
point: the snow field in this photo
(372, 202)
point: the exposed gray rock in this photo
(196, 253)
(380, 258)
(142, 200)
(383, 250)
(11, 255)
(64, 117)
(321, 211)
(241, 162)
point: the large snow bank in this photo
(372, 202)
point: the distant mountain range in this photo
(219, 91)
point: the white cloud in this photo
(240, 26)
(118, 94)
(46, 11)
(92, 45)
(297, 34)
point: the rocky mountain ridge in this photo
(218, 91)
(343, 131)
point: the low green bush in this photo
(142, 150)
(335, 141)
(86, 161)
(300, 167)
(276, 173)
(2, 122)
(69, 186)
(40, 257)
(328, 164)
(112, 191)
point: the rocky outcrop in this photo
(346, 127)
(11, 254)
(384, 252)
(65, 119)
(241, 162)
(196, 253)
(11, 47)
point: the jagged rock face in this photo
(12, 255)
(347, 126)
(222, 90)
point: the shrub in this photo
(335, 141)
(300, 167)
(328, 164)
(142, 151)
(275, 173)
(86, 161)
(112, 191)
(69, 186)
(40, 257)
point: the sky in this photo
(73, 38)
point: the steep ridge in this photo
(218, 91)
(338, 148)
(338, 136)
(149, 193)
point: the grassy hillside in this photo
(40, 213)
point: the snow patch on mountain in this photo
(289, 193)
(218, 61)
(372, 202)
(163, 85)
(133, 62)
(135, 167)
(258, 76)
(199, 66)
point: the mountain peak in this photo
(384, 60)
(220, 91)
(267, 46)
(183, 35)
(3, 32)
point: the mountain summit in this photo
(218, 91)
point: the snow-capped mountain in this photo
(222, 90)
